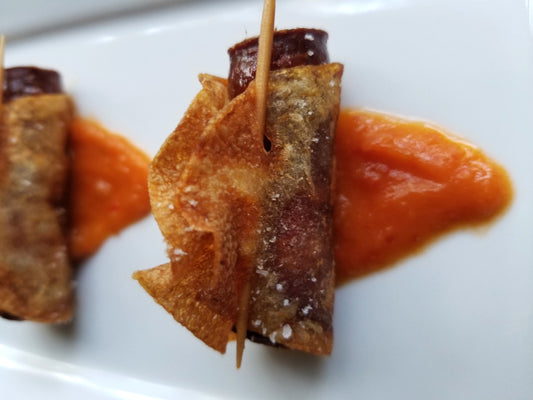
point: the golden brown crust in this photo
(35, 273)
(293, 281)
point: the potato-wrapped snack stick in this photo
(226, 206)
(35, 273)
(272, 210)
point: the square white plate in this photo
(455, 322)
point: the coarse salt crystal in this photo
(287, 331)
(279, 287)
(179, 252)
(306, 309)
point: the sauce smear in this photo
(400, 184)
(108, 186)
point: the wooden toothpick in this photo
(2, 46)
(264, 53)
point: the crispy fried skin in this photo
(232, 212)
(178, 297)
(176, 286)
(35, 273)
(293, 280)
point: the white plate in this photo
(455, 322)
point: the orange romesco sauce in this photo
(108, 186)
(400, 184)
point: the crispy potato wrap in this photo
(35, 272)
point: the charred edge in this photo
(29, 81)
(290, 48)
(257, 338)
(11, 317)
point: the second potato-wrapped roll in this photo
(35, 272)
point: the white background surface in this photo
(32, 17)
(455, 322)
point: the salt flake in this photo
(287, 331)
(179, 252)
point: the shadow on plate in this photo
(296, 362)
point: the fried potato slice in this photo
(168, 164)
(178, 298)
(176, 285)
